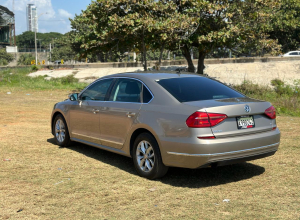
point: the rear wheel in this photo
(61, 133)
(146, 157)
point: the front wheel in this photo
(146, 157)
(61, 132)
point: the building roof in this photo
(6, 16)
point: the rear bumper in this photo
(225, 158)
(218, 152)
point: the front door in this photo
(84, 117)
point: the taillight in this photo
(207, 137)
(271, 112)
(203, 119)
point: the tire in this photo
(147, 158)
(61, 132)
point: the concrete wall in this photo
(260, 73)
(41, 56)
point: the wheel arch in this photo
(53, 118)
(136, 133)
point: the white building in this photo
(32, 22)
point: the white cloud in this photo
(49, 20)
(64, 13)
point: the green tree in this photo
(130, 25)
(63, 49)
(26, 39)
(228, 24)
(286, 25)
(241, 25)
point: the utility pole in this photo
(50, 52)
(36, 17)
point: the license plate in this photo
(244, 122)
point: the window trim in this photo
(112, 85)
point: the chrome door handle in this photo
(130, 114)
(95, 111)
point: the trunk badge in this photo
(247, 108)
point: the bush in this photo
(248, 88)
(25, 59)
(3, 63)
(282, 89)
(34, 68)
(5, 57)
(68, 80)
(285, 98)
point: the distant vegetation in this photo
(25, 59)
(286, 98)
(26, 40)
(5, 57)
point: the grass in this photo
(16, 79)
(43, 181)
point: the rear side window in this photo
(189, 89)
(146, 95)
(126, 90)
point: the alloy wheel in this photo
(60, 131)
(145, 156)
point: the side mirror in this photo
(73, 97)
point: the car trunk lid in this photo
(244, 116)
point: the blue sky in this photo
(54, 14)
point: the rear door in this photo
(120, 111)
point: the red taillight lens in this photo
(203, 119)
(208, 137)
(271, 112)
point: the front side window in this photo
(126, 90)
(97, 91)
(294, 53)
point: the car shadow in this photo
(177, 177)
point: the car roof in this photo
(154, 75)
(293, 51)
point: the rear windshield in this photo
(189, 89)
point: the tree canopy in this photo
(26, 39)
(243, 26)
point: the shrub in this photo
(34, 68)
(285, 98)
(69, 80)
(25, 59)
(3, 63)
(282, 89)
(5, 57)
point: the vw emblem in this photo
(247, 108)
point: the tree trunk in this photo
(186, 53)
(200, 68)
(144, 52)
(160, 56)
